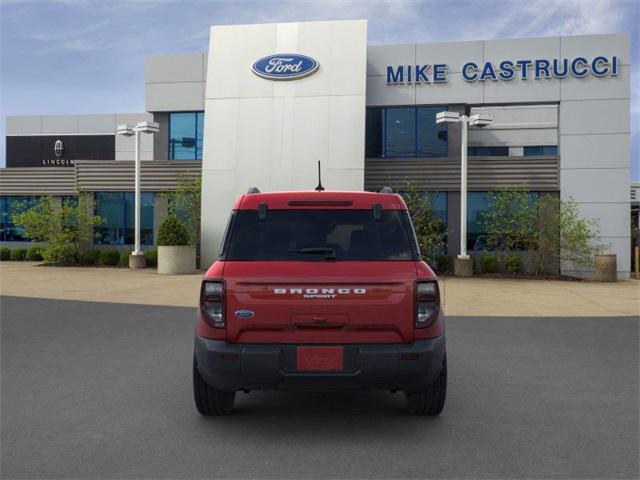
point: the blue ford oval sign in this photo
(285, 66)
(244, 313)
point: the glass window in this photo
(374, 129)
(8, 206)
(541, 151)
(477, 203)
(488, 151)
(400, 132)
(439, 205)
(432, 137)
(405, 132)
(185, 135)
(117, 209)
(320, 235)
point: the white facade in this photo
(270, 134)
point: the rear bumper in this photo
(231, 367)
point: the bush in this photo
(18, 254)
(34, 254)
(90, 257)
(152, 258)
(513, 264)
(5, 254)
(172, 232)
(61, 254)
(443, 263)
(489, 263)
(109, 257)
(124, 258)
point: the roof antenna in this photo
(319, 188)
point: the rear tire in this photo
(210, 400)
(429, 401)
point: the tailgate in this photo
(320, 302)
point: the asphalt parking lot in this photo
(103, 390)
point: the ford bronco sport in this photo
(319, 290)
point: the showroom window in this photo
(477, 204)
(405, 132)
(117, 210)
(8, 206)
(541, 151)
(185, 135)
(488, 151)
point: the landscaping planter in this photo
(606, 268)
(176, 260)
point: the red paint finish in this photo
(320, 359)
(320, 303)
(322, 200)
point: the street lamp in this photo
(136, 259)
(463, 264)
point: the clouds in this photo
(70, 56)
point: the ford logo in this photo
(285, 66)
(244, 313)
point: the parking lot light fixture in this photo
(136, 259)
(477, 120)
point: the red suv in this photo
(319, 290)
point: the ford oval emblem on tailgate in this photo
(244, 313)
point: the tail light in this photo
(427, 303)
(212, 303)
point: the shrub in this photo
(489, 263)
(513, 264)
(34, 254)
(90, 257)
(18, 254)
(152, 258)
(61, 254)
(109, 257)
(5, 254)
(172, 232)
(443, 263)
(124, 258)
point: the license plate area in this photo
(320, 359)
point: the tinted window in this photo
(117, 209)
(400, 132)
(405, 132)
(318, 234)
(541, 151)
(488, 151)
(185, 135)
(9, 232)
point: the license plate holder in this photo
(320, 359)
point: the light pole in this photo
(136, 259)
(463, 264)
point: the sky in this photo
(87, 56)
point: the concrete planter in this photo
(176, 260)
(606, 268)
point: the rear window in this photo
(320, 235)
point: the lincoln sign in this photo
(506, 70)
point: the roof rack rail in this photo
(253, 190)
(386, 190)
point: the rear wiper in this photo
(329, 253)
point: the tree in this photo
(510, 220)
(431, 231)
(184, 203)
(63, 227)
(564, 238)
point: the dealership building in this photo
(267, 101)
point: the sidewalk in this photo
(469, 297)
